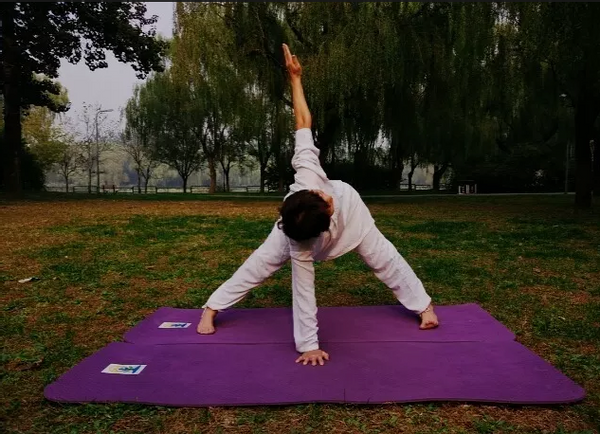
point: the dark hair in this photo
(304, 215)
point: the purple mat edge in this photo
(581, 397)
(338, 402)
(132, 331)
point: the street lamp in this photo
(98, 149)
(563, 97)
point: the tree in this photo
(268, 133)
(137, 140)
(143, 159)
(204, 59)
(35, 36)
(176, 121)
(94, 142)
(232, 152)
(42, 135)
(556, 36)
(33, 174)
(390, 85)
(69, 161)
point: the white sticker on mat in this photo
(114, 368)
(174, 325)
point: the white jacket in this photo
(350, 223)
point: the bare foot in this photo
(429, 319)
(207, 322)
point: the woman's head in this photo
(305, 214)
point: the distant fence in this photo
(196, 189)
(151, 189)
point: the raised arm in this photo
(301, 111)
(305, 162)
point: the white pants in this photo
(375, 250)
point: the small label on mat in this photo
(174, 325)
(114, 368)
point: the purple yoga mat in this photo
(459, 323)
(361, 373)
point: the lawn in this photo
(104, 264)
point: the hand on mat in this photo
(313, 357)
(291, 63)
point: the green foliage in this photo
(175, 121)
(36, 36)
(487, 90)
(442, 83)
(43, 41)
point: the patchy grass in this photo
(105, 264)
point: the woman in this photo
(320, 220)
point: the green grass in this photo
(530, 261)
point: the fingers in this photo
(290, 60)
(313, 359)
(287, 55)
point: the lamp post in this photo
(563, 97)
(98, 150)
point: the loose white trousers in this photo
(375, 250)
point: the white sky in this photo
(109, 87)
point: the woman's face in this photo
(326, 198)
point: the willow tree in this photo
(459, 40)
(443, 84)
(556, 36)
(203, 59)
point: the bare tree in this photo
(143, 158)
(69, 162)
(95, 142)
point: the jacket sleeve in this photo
(304, 299)
(309, 173)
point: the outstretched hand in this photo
(291, 63)
(313, 357)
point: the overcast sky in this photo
(110, 87)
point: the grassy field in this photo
(105, 264)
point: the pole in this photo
(98, 149)
(567, 170)
(97, 156)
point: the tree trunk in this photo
(89, 181)
(11, 154)
(397, 165)
(413, 166)
(66, 183)
(226, 169)
(184, 178)
(396, 177)
(212, 170)
(438, 172)
(585, 115)
(146, 180)
(263, 173)
(139, 180)
(326, 133)
(281, 184)
(226, 173)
